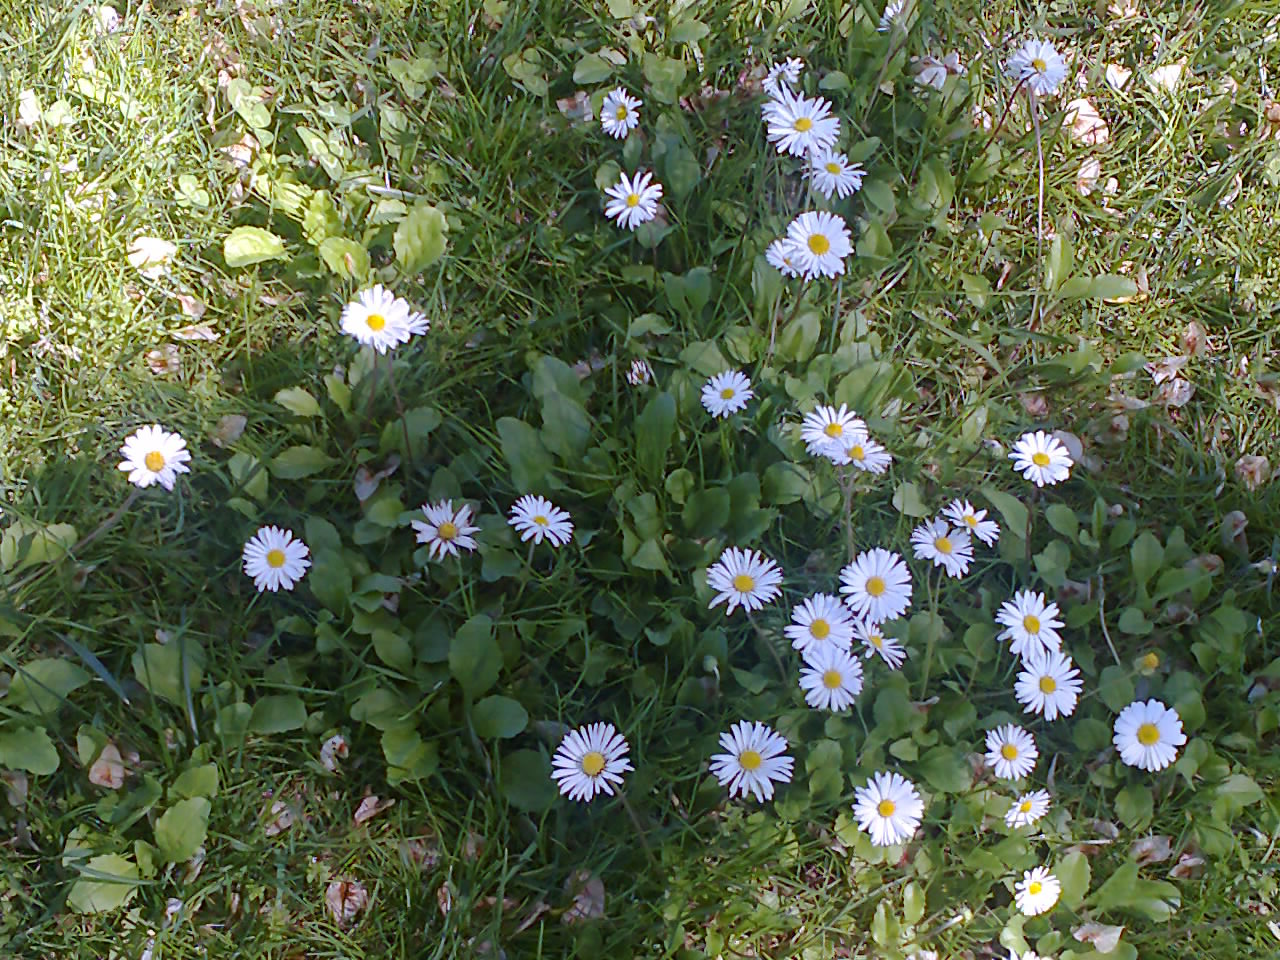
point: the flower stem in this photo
(935, 623)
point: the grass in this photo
(468, 861)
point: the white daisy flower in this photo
(782, 257)
(1027, 809)
(800, 125)
(827, 428)
(1148, 735)
(1030, 623)
(831, 172)
(820, 242)
(1029, 955)
(1037, 891)
(639, 373)
(154, 455)
(877, 585)
(752, 761)
(946, 546)
(1048, 684)
(536, 518)
(1041, 459)
(865, 455)
(889, 808)
(962, 514)
(892, 14)
(633, 200)
(873, 638)
(379, 319)
(788, 70)
(831, 679)
(744, 578)
(727, 393)
(1011, 752)
(445, 530)
(819, 622)
(590, 760)
(619, 113)
(1039, 67)
(275, 558)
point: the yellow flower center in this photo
(1040, 458)
(376, 322)
(857, 453)
(1151, 660)
(1148, 735)
(832, 679)
(803, 124)
(633, 199)
(833, 169)
(750, 759)
(1009, 752)
(727, 393)
(1039, 65)
(943, 544)
(833, 430)
(275, 558)
(620, 113)
(819, 244)
(877, 641)
(1048, 685)
(593, 763)
(1034, 888)
(744, 583)
(1025, 806)
(970, 519)
(447, 530)
(541, 521)
(875, 586)
(820, 629)
(1031, 623)
(886, 807)
(154, 461)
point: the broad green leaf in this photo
(655, 428)
(1133, 622)
(294, 463)
(526, 781)
(420, 239)
(592, 69)
(182, 829)
(245, 246)
(344, 257)
(1074, 873)
(946, 770)
(1113, 288)
(1134, 806)
(785, 482)
(706, 512)
(40, 686)
(1126, 891)
(249, 103)
(298, 401)
(688, 31)
(106, 882)
(906, 498)
(1063, 520)
(665, 75)
(1011, 508)
(277, 713)
(498, 718)
(161, 669)
(1146, 556)
(475, 659)
(408, 756)
(27, 544)
(27, 748)
(201, 781)
(1115, 688)
(392, 649)
(523, 449)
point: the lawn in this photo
(192, 195)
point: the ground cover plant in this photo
(696, 480)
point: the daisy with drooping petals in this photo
(782, 258)
(1027, 809)
(1041, 458)
(536, 518)
(800, 125)
(865, 455)
(892, 15)
(379, 319)
(788, 70)
(743, 578)
(1011, 752)
(831, 679)
(752, 761)
(1148, 735)
(946, 546)
(639, 373)
(445, 531)
(1037, 891)
(1029, 623)
(726, 393)
(633, 200)
(877, 585)
(619, 113)
(826, 428)
(590, 760)
(889, 808)
(1038, 67)
(873, 638)
(962, 514)
(819, 622)
(820, 242)
(276, 559)
(154, 455)
(831, 172)
(1048, 684)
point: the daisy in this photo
(782, 257)
(818, 623)
(947, 546)
(877, 585)
(619, 113)
(1027, 809)
(753, 760)
(788, 70)
(1048, 684)
(726, 393)
(892, 13)
(640, 373)
(826, 428)
(1041, 459)
(1039, 67)
(1037, 891)
(745, 578)
(1030, 623)
(275, 558)
(800, 125)
(590, 760)
(536, 518)
(889, 808)
(865, 455)
(820, 241)
(962, 514)
(831, 172)
(831, 680)
(1148, 735)
(379, 319)
(633, 200)
(153, 455)
(1011, 752)
(445, 530)
(873, 638)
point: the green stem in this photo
(934, 623)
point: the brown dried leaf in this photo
(1188, 867)
(108, 770)
(1176, 393)
(333, 750)
(1195, 341)
(444, 899)
(366, 481)
(1151, 850)
(280, 817)
(370, 807)
(15, 787)
(1087, 176)
(422, 852)
(1232, 531)
(1086, 124)
(228, 430)
(165, 361)
(538, 908)
(577, 108)
(1253, 471)
(1118, 76)
(1036, 404)
(1167, 369)
(345, 900)
(1104, 938)
(587, 891)
(192, 307)
(196, 331)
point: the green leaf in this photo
(655, 428)
(1124, 890)
(392, 649)
(420, 238)
(706, 512)
(1133, 622)
(499, 718)
(27, 748)
(1063, 520)
(248, 103)
(278, 714)
(201, 781)
(182, 829)
(106, 882)
(41, 686)
(666, 76)
(523, 449)
(409, 757)
(1011, 508)
(1110, 286)
(688, 31)
(344, 257)
(298, 401)
(785, 482)
(592, 69)
(526, 781)
(245, 246)
(1147, 556)
(159, 668)
(475, 659)
(1115, 688)
(1134, 806)
(946, 770)
(301, 461)
(1074, 873)
(906, 498)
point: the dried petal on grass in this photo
(1188, 867)
(1195, 341)
(1087, 125)
(333, 750)
(345, 900)
(1036, 404)
(1087, 176)
(538, 908)
(15, 787)
(587, 891)
(279, 817)
(1103, 937)
(366, 482)
(1168, 77)
(1151, 850)
(444, 899)
(1118, 76)
(473, 846)
(228, 430)
(150, 256)
(1232, 531)
(192, 307)
(577, 108)
(1123, 9)
(1176, 393)
(1166, 369)
(108, 770)
(422, 852)
(165, 361)
(370, 807)
(195, 331)
(1253, 471)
